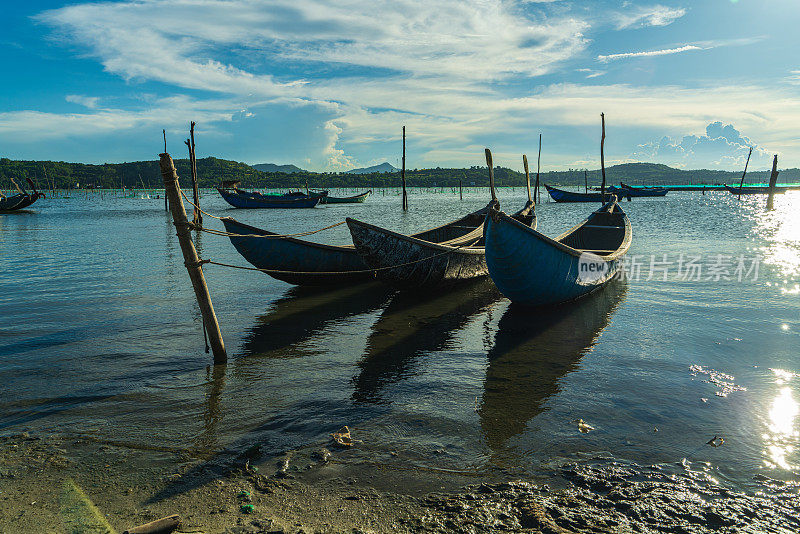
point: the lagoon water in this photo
(100, 337)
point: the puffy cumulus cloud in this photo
(723, 147)
(642, 16)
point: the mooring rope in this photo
(229, 234)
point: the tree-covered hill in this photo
(57, 174)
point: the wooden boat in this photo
(302, 262)
(753, 190)
(639, 191)
(13, 202)
(414, 262)
(534, 270)
(559, 195)
(355, 199)
(249, 199)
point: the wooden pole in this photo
(491, 172)
(460, 189)
(403, 172)
(585, 181)
(536, 196)
(191, 260)
(602, 158)
(197, 218)
(773, 179)
(527, 176)
(741, 184)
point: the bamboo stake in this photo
(741, 184)
(491, 172)
(191, 260)
(403, 172)
(602, 159)
(536, 196)
(460, 189)
(585, 181)
(197, 218)
(527, 176)
(773, 179)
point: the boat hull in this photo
(250, 201)
(356, 199)
(18, 202)
(559, 195)
(532, 269)
(753, 190)
(415, 263)
(297, 261)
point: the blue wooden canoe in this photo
(559, 195)
(301, 262)
(249, 199)
(534, 270)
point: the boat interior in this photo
(602, 233)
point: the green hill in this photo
(212, 170)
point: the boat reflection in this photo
(305, 311)
(411, 325)
(532, 350)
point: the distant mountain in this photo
(272, 167)
(383, 167)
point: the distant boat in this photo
(249, 199)
(419, 262)
(559, 195)
(534, 270)
(355, 199)
(753, 190)
(301, 262)
(638, 191)
(21, 200)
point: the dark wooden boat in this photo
(249, 199)
(413, 262)
(637, 191)
(559, 195)
(355, 199)
(532, 269)
(302, 262)
(754, 190)
(13, 202)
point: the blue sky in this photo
(328, 85)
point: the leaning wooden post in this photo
(191, 260)
(536, 197)
(197, 219)
(527, 176)
(491, 172)
(602, 158)
(773, 179)
(741, 184)
(585, 181)
(403, 172)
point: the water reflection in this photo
(212, 413)
(411, 325)
(780, 228)
(302, 312)
(781, 433)
(532, 350)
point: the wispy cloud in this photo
(648, 53)
(642, 16)
(85, 101)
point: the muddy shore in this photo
(78, 485)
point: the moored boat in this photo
(559, 195)
(414, 262)
(302, 262)
(638, 191)
(534, 270)
(355, 199)
(13, 202)
(753, 190)
(248, 199)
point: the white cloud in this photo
(85, 101)
(650, 53)
(641, 16)
(722, 147)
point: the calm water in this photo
(100, 336)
